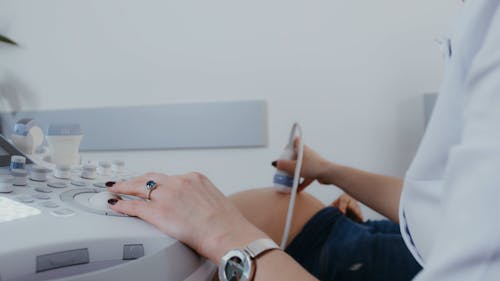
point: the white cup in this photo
(64, 144)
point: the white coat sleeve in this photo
(467, 245)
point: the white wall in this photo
(352, 72)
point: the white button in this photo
(43, 189)
(39, 173)
(50, 204)
(118, 166)
(104, 168)
(79, 183)
(20, 177)
(57, 184)
(62, 171)
(41, 196)
(63, 212)
(17, 162)
(89, 171)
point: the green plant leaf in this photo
(7, 40)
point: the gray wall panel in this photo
(170, 126)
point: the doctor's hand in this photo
(188, 208)
(314, 166)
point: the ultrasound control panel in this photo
(61, 190)
(56, 224)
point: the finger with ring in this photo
(150, 186)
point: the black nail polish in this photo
(275, 163)
(112, 201)
(110, 183)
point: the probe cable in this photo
(296, 131)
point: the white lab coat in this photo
(450, 206)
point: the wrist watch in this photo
(238, 264)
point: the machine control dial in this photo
(104, 168)
(62, 171)
(89, 171)
(39, 173)
(118, 166)
(20, 177)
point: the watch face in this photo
(236, 265)
(234, 269)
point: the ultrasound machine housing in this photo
(50, 231)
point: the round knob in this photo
(89, 171)
(17, 162)
(104, 168)
(39, 173)
(20, 177)
(100, 200)
(62, 171)
(118, 166)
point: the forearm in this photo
(379, 192)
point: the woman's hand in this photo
(188, 208)
(349, 207)
(314, 167)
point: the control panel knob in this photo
(62, 171)
(39, 173)
(89, 171)
(118, 166)
(17, 162)
(104, 168)
(20, 177)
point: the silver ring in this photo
(150, 186)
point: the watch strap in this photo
(260, 246)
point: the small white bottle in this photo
(283, 181)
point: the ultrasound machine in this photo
(55, 224)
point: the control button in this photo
(6, 187)
(118, 166)
(104, 168)
(57, 184)
(79, 183)
(39, 173)
(50, 204)
(41, 196)
(63, 212)
(133, 251)
(89, 171)
(17, 162)
(100, 184)
(62, 171)
(43, 189)
(20, 177)
(61, 259)
(25, 199)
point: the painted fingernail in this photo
(110, 183)
(112, 201)
(275, 163)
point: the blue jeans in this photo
(333, 247)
